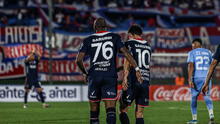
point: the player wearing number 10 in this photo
(132, 88)
(199, 60)
(102, 48)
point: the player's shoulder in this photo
(206, 51)
(104, 33)
(192, 51)
(137, 41)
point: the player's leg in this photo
(139, 114)
(194, 93)
(27, 87)
(109, 96)
(209, 103)
(27, 90)
(40, 93)
(142, 101)
(123, 115)
(94, 95)
(94, 112)
(110, 106)
(125, 101)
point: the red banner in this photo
(178, 93)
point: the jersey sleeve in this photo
(84, 46)
(127, 44)
(190, 57)
(119, 42)
(217, 54)
(210, 56)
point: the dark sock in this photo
(139, 120)
(25, 97)
(94, 117)
(111, 115)
(41, 97)
(124, 118)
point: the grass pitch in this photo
(78, 113)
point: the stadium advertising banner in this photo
(76, 93)
(178, 93)
(53, 93)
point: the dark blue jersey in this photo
(32, 70)
(217, 54)
(141, 51)
(102, 49)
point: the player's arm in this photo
(215, 61)
(79, 62)
(38, 55)
(211, 70)
(190, 74)
(209, 75)
(126, 72)
(29, 58)
(132, 62)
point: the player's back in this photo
(201, 59)
(141, 51)
(32, 69)
(102, 49)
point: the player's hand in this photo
(85, 78)
(125, 84)
(191, 84)
(205, 88)
(139, 76)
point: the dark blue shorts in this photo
(30, 83)
(138, 92)
(102, 88)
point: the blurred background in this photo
(57, 27)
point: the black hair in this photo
(100, 24)
(135, 29)
(197, 40)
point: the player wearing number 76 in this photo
(199, 60)
(102, 48)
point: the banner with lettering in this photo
(179, 40)
(16, 42)
(20, 34)
(178, 93)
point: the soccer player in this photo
(199, 60)
(102, 48)
(215, 61)
(31, 63)
(132, 88)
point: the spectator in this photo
(59, 17)
(179, 80)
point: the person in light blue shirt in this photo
(199, 60)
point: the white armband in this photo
(137, 68)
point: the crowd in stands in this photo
(186, 4)
(74, 21)
(14, 17)
(80, 17)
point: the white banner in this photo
(53, 93)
